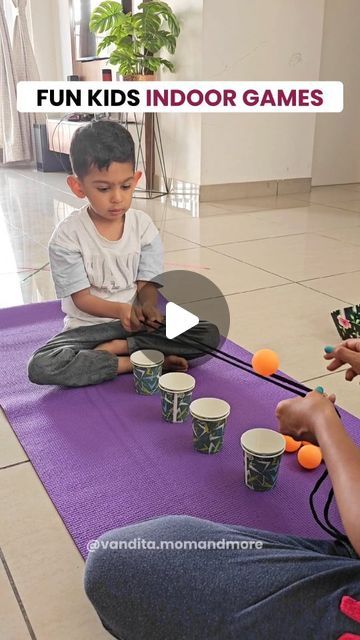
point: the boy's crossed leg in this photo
(121, 348)
(89, 355)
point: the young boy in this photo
(103, 258)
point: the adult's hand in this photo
(347, 352)
(301, 417)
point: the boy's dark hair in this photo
(98, 144)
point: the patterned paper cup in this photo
(262, 449)
(176, 391)
(147, 368)
(209, 417)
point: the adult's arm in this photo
(314, 418)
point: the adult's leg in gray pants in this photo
(69, 358)
(290, 588)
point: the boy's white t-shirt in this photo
(82, 258)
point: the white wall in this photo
(259, 40)
(337, 138)
(181, 133)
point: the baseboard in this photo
(214, 192)
(176, 186)
(233, 190)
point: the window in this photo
(84, 42)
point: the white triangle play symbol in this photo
(178, 320)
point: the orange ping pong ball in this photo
(291, 444)
(309, 456)
(265, 362)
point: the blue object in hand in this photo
(320, 389)
(328, 349)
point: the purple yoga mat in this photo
(107, 459)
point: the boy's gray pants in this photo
(69, 359)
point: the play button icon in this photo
(178, 320)
(189, 303)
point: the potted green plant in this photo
(137, 38)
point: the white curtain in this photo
(23, 53)
(16, 63)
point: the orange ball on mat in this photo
(309, 456)
(291, 444)
(265, 362)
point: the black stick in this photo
(278, 380)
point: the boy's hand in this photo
(151, 315)
(129, 318)
(147, 314)
(300, 417)
(347, 352)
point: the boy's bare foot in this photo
(175, 363)
(124, 365)
(171, 363)
(117, 347)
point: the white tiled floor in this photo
(283, 264)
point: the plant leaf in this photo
(105, 16)
(166, 63)
(106, 42)
(163, 10)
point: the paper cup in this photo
(147, 368)
(209, 418)
(176, 391)
(262, 449)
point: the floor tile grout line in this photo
(243, 211)
(15, 464)
(288, 280)
(323, 293)
(174, 235)
(273, 286)
(331, 206)
(249, 264)
(345, 242)
(210, 246)
(304, 204)
(237, 293)
(23, 233)
(332, 275)
(32, 273)
(45, 184)
(36, 271)
(287, 235)
(292, 281)
(17, 596)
